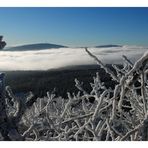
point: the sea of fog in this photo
(58, 58)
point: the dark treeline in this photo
(39, 82)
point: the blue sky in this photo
(75, 26)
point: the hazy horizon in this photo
(92, 46)
(62, 57)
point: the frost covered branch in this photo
(119, 113)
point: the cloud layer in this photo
(57, 58)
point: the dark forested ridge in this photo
(108, 46)
(62, 79)
(37, 46)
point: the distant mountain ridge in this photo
(38, 46)
(42, 46)
(108, 46)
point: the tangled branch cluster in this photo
(117, 114)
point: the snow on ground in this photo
(57, 58)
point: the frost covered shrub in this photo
(119, 114)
